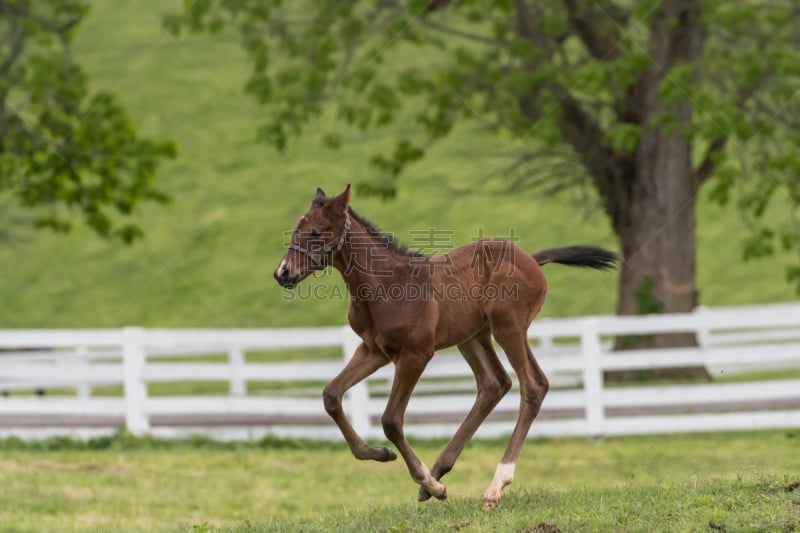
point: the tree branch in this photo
(16, 39)
(55, 27)
(583, 133)
(526, 29)
(435, 5)
(709, 164)
(456, 32)
(23, 9)
(611, 171)
(350, 48)
(587, 20)
(524, 18)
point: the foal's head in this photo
(318, 236)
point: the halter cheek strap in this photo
(316, 255)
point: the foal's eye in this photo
(315, 232)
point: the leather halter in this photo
(316, 255)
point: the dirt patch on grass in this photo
(68, 467)
(542, 527)
(120, 466)
(11, 466)
(77, 493)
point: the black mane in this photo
(384, 238)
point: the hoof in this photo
(439, 491)
(424, 493)
(383, 455)
(490, 504)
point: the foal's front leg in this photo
(362, 364)
(408, 370)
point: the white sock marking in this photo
(503, 475)
(505, 472)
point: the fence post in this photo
(357, 399)
(238, 386)
(592, 377)
(83, 390)
(545, 344)
(700, 312)
(133, 361)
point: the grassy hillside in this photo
(207, 260)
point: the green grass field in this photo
(737, 481)
(207, 260)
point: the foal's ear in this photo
(319, 198)
(341, 202)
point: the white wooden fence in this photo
(573, 352)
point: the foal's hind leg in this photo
(493, 383)
(408, 369)
(362, 364)
(533, 386)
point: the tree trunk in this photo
(655, 214)
(649, 193)
(657, 235)
(657, 239)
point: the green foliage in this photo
(624, 137)
(647, 303)
(335, 57)
(746, 96)
(65, 150)
(207, 259)
(526, 76)
(793, 276)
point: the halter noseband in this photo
(316, 255)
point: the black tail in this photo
(580, 256)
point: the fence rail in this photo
(283, 397)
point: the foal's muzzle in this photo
(284, 279)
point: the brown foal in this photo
(405, 306)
